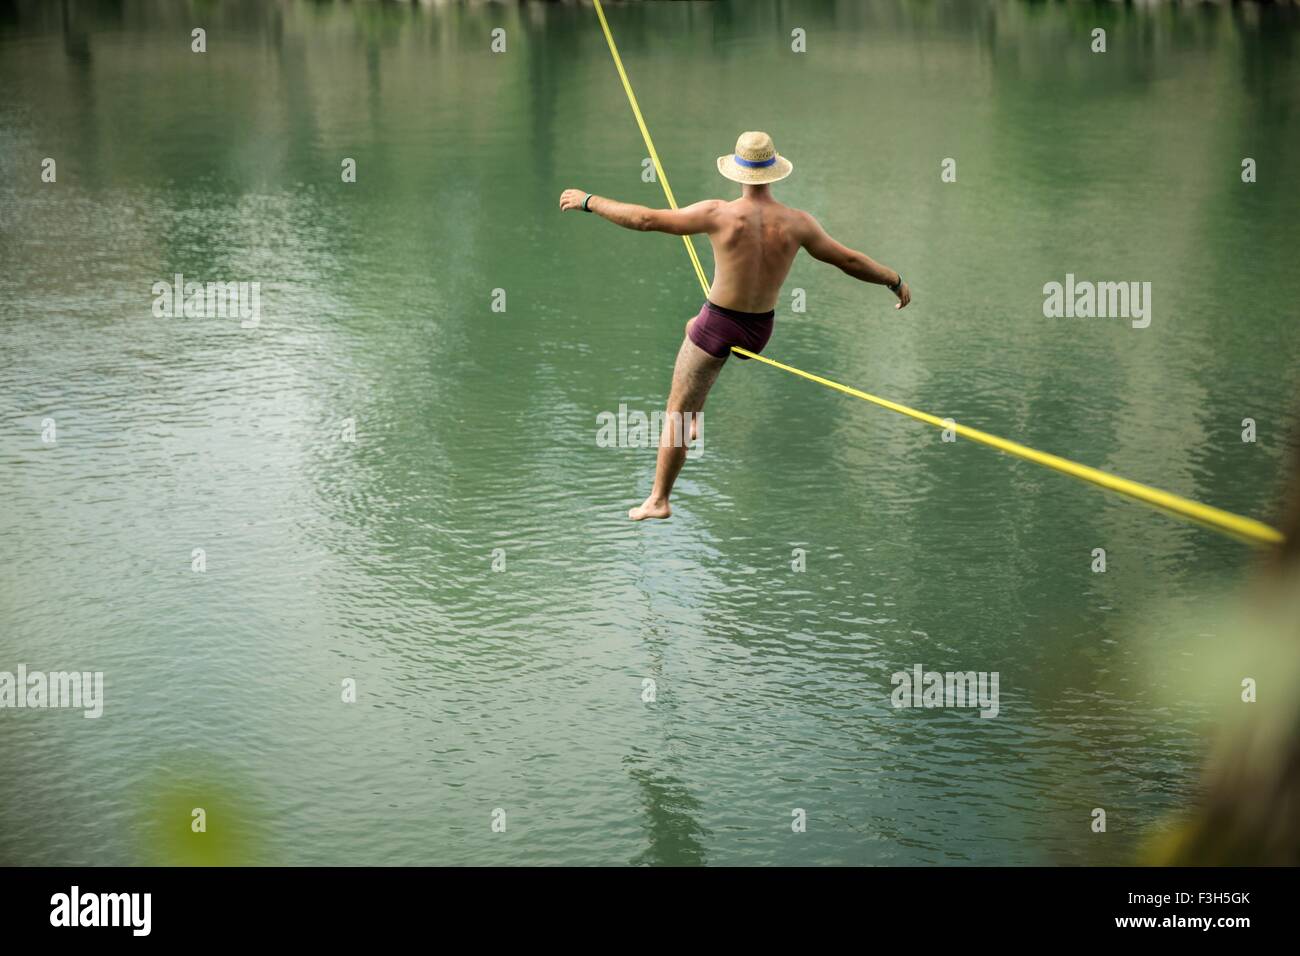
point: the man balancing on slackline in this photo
(755, 239)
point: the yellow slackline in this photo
(1246, 529)
(654, 156)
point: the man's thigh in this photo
(693, 375)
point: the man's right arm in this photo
(688, 221)
(849, 261)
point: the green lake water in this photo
(523, 689)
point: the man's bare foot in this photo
(653, 508)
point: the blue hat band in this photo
(752, 164)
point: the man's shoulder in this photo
(798, 218)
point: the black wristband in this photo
(585, 207)
(897, 285)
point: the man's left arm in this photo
(687, 221)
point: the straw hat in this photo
(755, 161)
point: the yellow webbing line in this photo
(1246, 529)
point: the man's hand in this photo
(572, 199)
(904, 296)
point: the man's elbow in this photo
(647, 220)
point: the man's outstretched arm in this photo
(851, 262)
(687, 221)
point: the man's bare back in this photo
(754, 243)
(755, 240)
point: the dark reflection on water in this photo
(521, 689)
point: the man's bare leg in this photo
(695, 419)
(693, 375)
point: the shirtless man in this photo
(755, 239)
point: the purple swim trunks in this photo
(717, 329)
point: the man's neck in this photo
(759, 192)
